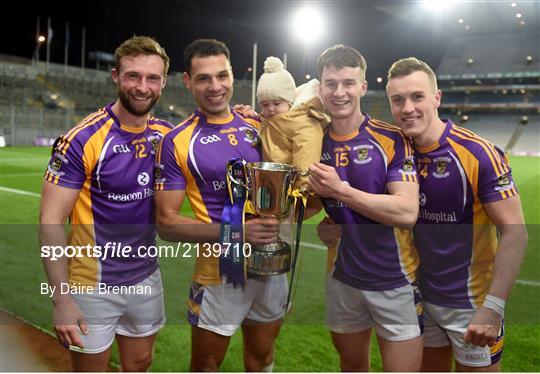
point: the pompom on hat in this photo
(276, 82)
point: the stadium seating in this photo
(498, 129)
(35, 102)
(504, 54)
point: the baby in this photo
(293, 119)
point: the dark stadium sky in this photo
(382, 38)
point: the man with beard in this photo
(101, 177)
(192, 160)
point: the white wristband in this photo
(494, 303)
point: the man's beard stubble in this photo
(126, 103)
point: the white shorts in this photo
(445, 326)
(396, 314)
(223, 308)
(128, 313)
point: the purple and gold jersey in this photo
(455, 239)
(371, 256)
(112, 166)
(193, 156)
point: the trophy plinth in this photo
(270, 259)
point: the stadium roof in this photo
(482, 16)
(382, 30)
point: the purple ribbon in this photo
(231, 260)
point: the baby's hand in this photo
(246, 111)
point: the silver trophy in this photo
(269, 186)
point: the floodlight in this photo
(308, 24)
(41, 38)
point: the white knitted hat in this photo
(276, 82)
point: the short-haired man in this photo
(192, 162)
(466, 194)
(101, 177)
(367, 182)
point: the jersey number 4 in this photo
(423, 171)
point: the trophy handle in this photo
(230, 165)
(304, 172)
(304, 190)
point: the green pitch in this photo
(304, 343)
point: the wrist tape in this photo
(494, 303)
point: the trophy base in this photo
(270, 259)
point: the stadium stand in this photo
(491, 84)
(50, 102)
(39, 103)
(484, 55)
(498, 128)
(488, 95)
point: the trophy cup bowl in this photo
(269, 185)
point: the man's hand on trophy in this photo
(325, 181)
(259, 230)
(329, 232)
